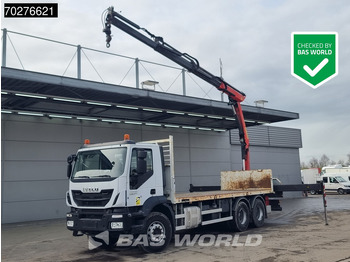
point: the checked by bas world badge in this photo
(314, 57)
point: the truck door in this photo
(141, 184)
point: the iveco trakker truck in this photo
(128, 188)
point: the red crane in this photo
(190, 63)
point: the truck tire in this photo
(241, 217)
(340, 191)
(258, 213)
(158, 230)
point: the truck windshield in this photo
(97, 164)
(340, 179)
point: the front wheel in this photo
(158, 231)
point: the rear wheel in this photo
(241, 217)
(340, 191)
(158, 231)
(258, 213)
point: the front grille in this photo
(91, 213)
(92, 199)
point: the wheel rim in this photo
(259, 213)
(242, 216)
(156, 232)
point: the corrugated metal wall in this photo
(34, 152)
(270, 136)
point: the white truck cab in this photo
(109, 164)
(111, 184)
(335, 183)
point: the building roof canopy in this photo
(49, 94)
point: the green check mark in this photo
(317, 69)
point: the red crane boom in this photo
(190, 63)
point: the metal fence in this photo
(49, 56)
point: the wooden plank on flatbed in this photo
(241, 180)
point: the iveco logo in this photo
(91, 190)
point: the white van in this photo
(335, 183)
(344, 172)
(346, 176)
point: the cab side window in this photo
(141, 168)
(332, 180)
(325, 179)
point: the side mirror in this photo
(70, 160)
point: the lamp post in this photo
(260, 103)
(151, 83)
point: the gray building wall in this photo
(276, 148)
(34, 152)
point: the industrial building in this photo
(46, 117)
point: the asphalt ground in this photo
(298, 233)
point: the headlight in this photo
(70, 223)
(116, 225)
(69, 202)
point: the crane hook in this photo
(107, 31)
(107, 27)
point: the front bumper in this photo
(94, 221)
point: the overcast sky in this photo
(252, 38)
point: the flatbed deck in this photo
(234, 184)
(219, 194)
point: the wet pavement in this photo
(306, 206)
(297, 230)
